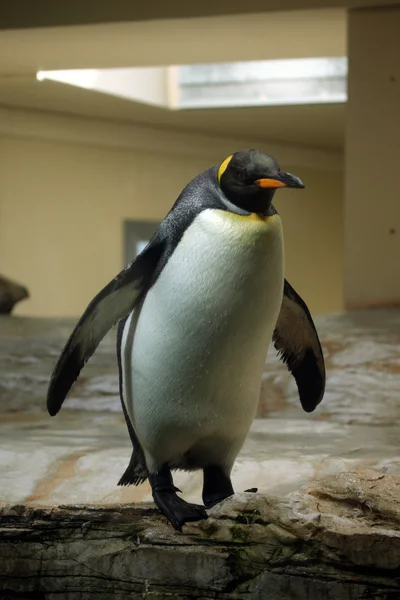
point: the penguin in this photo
(197, 310)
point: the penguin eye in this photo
(242, 176)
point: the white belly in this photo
(193, 352)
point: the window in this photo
(136, 237)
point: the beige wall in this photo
(62, 207)
(313, 225)
(372, 235)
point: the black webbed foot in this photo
(176, 510)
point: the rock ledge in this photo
(335, 539)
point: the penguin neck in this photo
(259, 201)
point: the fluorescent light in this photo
(148, 85)
(263, 83)
(218, 85)
(84, 78)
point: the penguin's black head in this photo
(250, 178)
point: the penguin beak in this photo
(281, 180)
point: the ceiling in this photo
(279, 35)
(250, 37)
(26, 13)
(312, 125)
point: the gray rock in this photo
(336, 539)
(10, 294)
(29, 348)
(362, 352)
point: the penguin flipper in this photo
(115, 301)
(298, 346)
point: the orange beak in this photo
(269, 183)
(281, 180)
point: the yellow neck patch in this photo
(223, 166)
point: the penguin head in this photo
(250, 178)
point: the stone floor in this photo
(79, 456)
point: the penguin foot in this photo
(217, 486)
(213, 500)
(252, 490)
(176, 510)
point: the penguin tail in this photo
(136, 473)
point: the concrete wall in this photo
(313, 225)
(372, 247)
(62, 207)
(62, 211)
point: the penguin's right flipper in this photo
(114, 302)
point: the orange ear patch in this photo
(223, 166)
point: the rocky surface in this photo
(10, 294)
(362, 352)
(29, 348)
(336, 539)
(79, 455)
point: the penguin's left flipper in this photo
(114, 302)
(298, 345)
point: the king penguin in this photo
(197, 310)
